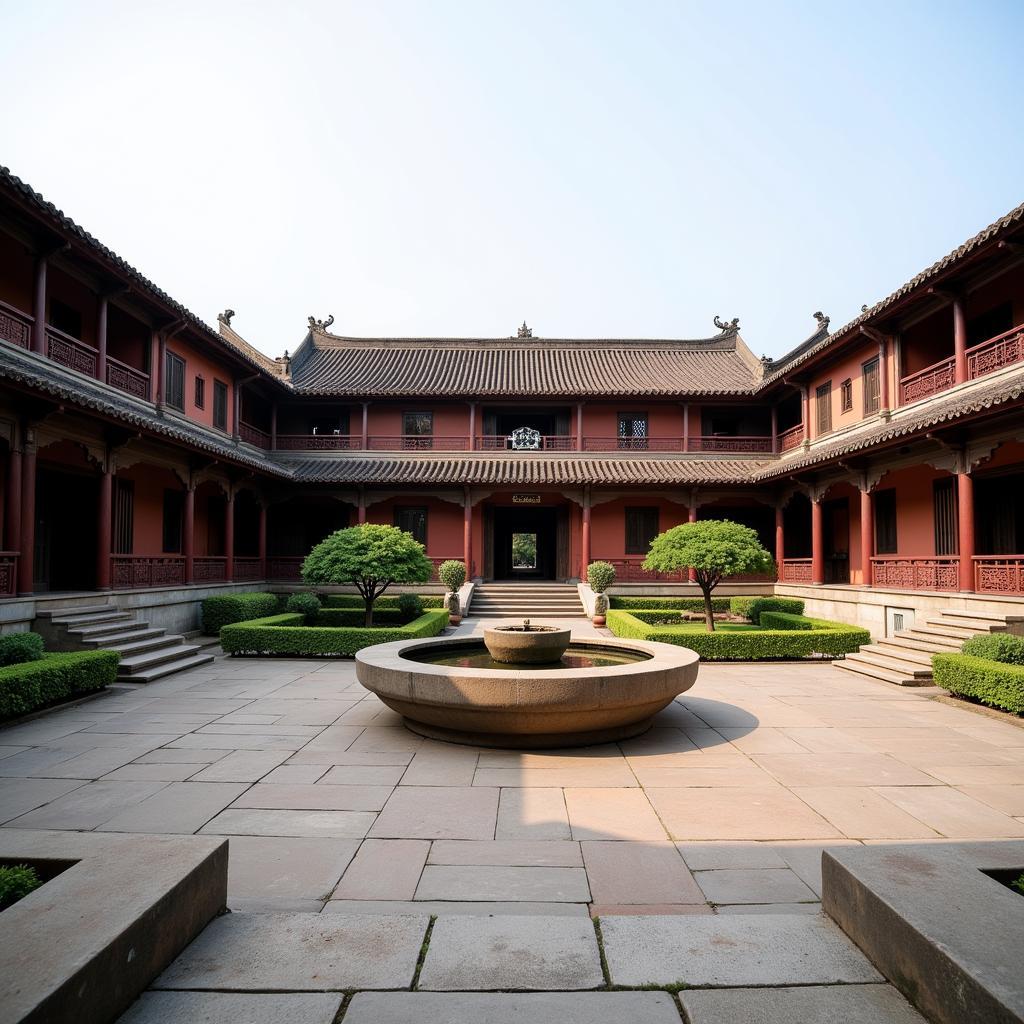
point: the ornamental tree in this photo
(714, 549)
(371, 558)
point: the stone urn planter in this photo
(451, 602)
(599, 617)
(526, 644)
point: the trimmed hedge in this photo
(1002, 647)
(17, 648)
(822, 637)
(387, 601)
(785, 620)
(227, 608)
(752, 607)
(356, 617)
(679, 604)
(285, 634)
(990, 682)
(52, 678)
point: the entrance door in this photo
(836, 524)
(525, 543)
(65, 550)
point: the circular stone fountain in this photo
(598, 691)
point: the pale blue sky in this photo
(449, 168)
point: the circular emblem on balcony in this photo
(525, 439)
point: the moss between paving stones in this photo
(54, 678)
(286, 635)
(791, 637)
(990, 682)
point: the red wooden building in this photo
(143, 452)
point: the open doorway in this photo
(525, 543)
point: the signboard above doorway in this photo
(525, 499)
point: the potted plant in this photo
(453, 575)
(600, 576)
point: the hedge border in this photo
(993, 683)
(676, 604)
(753, 607)
(387, 602)
(54, 678)
(823, 637)
(223, 609)
(285, 635)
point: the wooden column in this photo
(775, 430)
(780, 539)
(959, 341)
(262, 540)
(897, 367)
(691, 517)
(472, 426)
(361, 506)
(155, 369)
(188, 543)
(883, 376)
(26, 558)
(39, 308)
(229, 538)
(817, 542)
(12, 493)
(273, 426)
(686, 426)
(467, 533)
(585, 544)
(867, 534)
(965, 509)
(579, 426)
(104, 522)
(161, 363)
(101, 340)
(805, 411)
(236, 410)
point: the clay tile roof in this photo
(523, 472)
(480, 367)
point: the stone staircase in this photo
(526, 601)
(905, 658)
(147, 652)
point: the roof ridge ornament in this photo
(523, 331)
(732, 327)
(225, 317)
(823, 321)
(320, 325)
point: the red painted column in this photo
(236, 411)
(366, 421)
(585, 543)
(805, 411)
(229, 538)
(161, 363)
(101, 340)
(467, 535)
(780, 539)
(155, 369)
(26, 559)
(965, 508)
(817, 543)
(12, 512)
(686, 426)
(39, 308)
(188, 531)
(579, 426)
(472, 426)
(262, 540)
(104, 518)
(959, 341)
(867, 535)
(775, 430)
(361, 507)
(883, 375)
(691, 517)
(273, 426)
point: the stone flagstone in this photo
(234, 1008)
(848, 1004)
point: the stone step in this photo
(166, 669)
(911, 669)
(884, 675)
(909, 655)
(948, 633)
(155, 643)
(976, 623)
(71, 611)
(76, 621)
(123, 624)
(918, 644)
(141, 662)
(527, 604)
(115, 639)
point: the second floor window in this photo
(632, 430)
(200, 393)
(220, 405)
(174, 389)
(641, 529)
(417, 429)
(413, 520)
(846, 395)
(823, 406)
(872, 392)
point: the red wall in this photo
(197, 363)
(850, 365)
(915, 509)
(608, 523)
(444, 522)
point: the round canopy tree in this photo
(714, 549)
(371, 558)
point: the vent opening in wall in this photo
(898, 619)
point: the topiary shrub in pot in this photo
(305, 604)
(600, 576)
(453, 575)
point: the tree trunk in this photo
(369, 612)
(709, 613)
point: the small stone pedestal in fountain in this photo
(526, 644)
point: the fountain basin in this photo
(522, 645)
(526, 706)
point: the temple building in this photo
(152, 459)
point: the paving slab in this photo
(18, 796)
(314, 797)
(300, 952)
(234, 1008)
(863, 814)
(556, 953)
(532, 814)
(323, 824)
(355, 774)
(459, 909)
(507, 852)
(656, 909)
(768, 908)
(490, 882)
(712, 856)
(952, 813)
(87, 806)
(612, 814)
(511, 1008)
(179, 808)
(269, 869)
(438, 812)
(771, 885)
(242, 766)
(779, 949)
(384, 869)
(842, 770)
(827, 1004)
(136, 772)
(633, 872)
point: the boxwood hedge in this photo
(1003, 647)
(387, 601)
(285, 634)
(52, 678)
(793, 641)
(356, 617)
(227, 608)
(16, 648)
(678, 604)
(990, 682)
(752, 607)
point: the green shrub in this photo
(357, 617)
(752, 607)
(683, 604)
(600, 576)
(286, 635)
(52, 678)
(1002, 647)
(784, 620)
(226, 608)
(409, 607)
(452, 574)
(990, 682)
(17, 648)
(387, 601)
(16, 882)
(743, 644)
(305, 604)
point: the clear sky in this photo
(451, 167)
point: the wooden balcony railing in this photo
(999, 574)
(70, 352)
(632, 444)
(716, 443)
(931, 379)
(127, 378)
(210, 569)
(248, 569)
(548, 443)
(1002, 350)
(791, 438)
(254, 436)
(8, 573)
(416, 443)
(15, 326)
(128, 571)
(284, 568)
(937, 572)
(796, 570)
(319, 442)
(631, 570)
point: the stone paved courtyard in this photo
(349, 833)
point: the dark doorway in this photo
(296, 526)
(525, 543)
(836, 529)
(65, 549)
